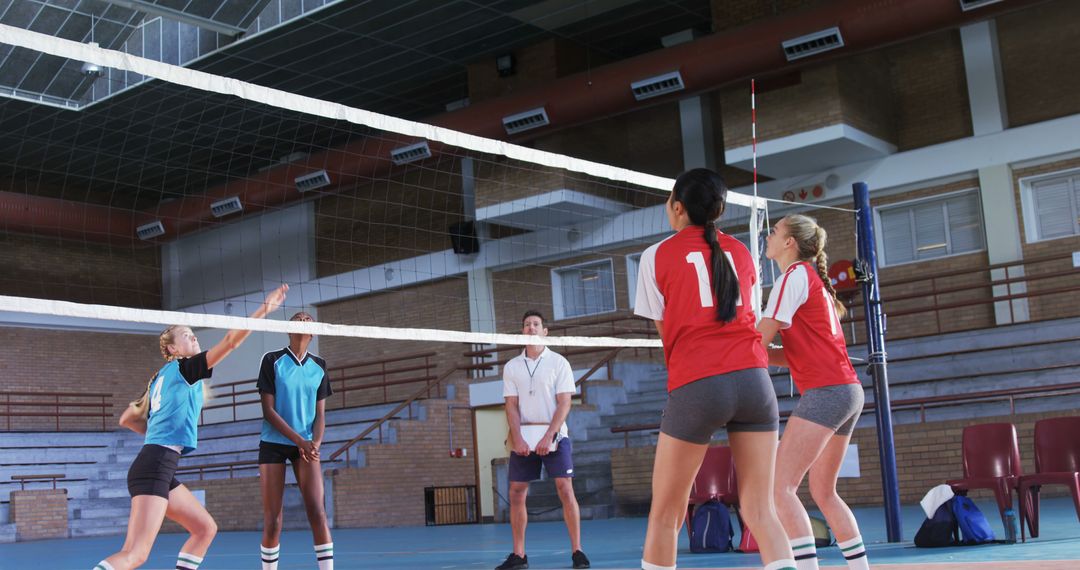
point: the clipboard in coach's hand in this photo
(532, 434)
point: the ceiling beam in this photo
(177, 15)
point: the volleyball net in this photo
(187, 197)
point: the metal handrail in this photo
(350, 365)
(231, 398)
(401, 406)
(921, 404)
(53, 400)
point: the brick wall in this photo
(728, 14)
(405, 214)
(534, 65)
(813, 103)
(503, 180)
(79, 271)
(235, 504)
(122, 365)
(865, 92)
(856, 91)
(439, 305)
(929, 90)
(389, 490)
(912, 94)
(1041, 73)
(926, 455)
(39, 514)
(647, 140)
(1057, 305)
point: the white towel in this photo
(935, 498)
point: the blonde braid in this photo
(822, 262)
(810, 238)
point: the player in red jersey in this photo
(804, 309)
(696, 286)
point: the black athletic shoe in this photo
(515, 562)
(580, 560)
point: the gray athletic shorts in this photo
(743, 400)
(835, 407)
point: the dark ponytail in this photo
(703, 194)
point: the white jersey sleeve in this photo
(564, 377)
(649, 301)
(788, 295)
(509, 386)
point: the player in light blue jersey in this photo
(293, 385)
(168, 414)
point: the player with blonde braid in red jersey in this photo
(804, 309)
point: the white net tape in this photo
(195, 320)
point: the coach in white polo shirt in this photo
(538, 385)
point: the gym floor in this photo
(613, 543)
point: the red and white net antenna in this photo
(753, 129)
(755, 218)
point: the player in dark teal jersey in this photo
(168, 414)
(294, 385)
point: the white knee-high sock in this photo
(270, 555)
(103, 566)
(854, 552)
(647, 566)
(324, 555)
(187, 561)
(805, 550)
(785, 564)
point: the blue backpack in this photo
(710, 528)
(939, 530)
(974, 528)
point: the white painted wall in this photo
(252, 255)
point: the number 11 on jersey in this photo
(697, 259)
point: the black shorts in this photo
(153, 472)
(277, 453)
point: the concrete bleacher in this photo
(95, 464)
(1026, 355)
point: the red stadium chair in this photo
(1057, 462)
(991, 461)
(715, 480)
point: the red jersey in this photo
(675, 286)
(810, 328)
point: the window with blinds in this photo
(633, 263)
(582, 290)
(1054, 205)
(929, 229)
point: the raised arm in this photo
(234, 338)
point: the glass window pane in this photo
(896, 236)
(1053, 208)
(930, 240)
(587, 290)
(965, 224)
